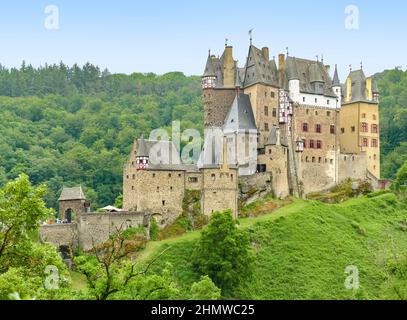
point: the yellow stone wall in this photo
(353, 115)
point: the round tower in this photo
(209, 77)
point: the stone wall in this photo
(255, 187)
(60, 234)
(352, 166)
(193, 181)
(220, 188)
(92, 229)
(276, 161)
(317, 168)
(160, 193)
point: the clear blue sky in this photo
(175, 35)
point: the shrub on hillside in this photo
(223, 253)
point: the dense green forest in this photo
(66, 126)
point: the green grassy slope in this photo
(302, 250)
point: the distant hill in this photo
(302, 251)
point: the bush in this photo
(205, 289)
(154, 229)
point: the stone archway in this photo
(68, 215)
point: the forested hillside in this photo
(393, 114)
(75, 125)
(71, 126)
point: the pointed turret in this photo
(142, 156)
(335, 81)
(142, 148)
(336, 87)
(209, 69)
(209, 76)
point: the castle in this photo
(289, 129)
(291, 121)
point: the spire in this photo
(336, 82)
(209, 70)
(142, 148)
(251, 36)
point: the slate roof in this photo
(75, 193)
(209, 69)
(259, 69)
(240, 115)
(142, 148)
(272, 139)
(163, 155)
(358, 87)
(308, 71)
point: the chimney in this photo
(281, 69)
(266, 53)
(229, 68)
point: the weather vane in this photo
(251, 36)
(286, 48)
(226, 42)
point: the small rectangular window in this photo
(305, 127)
(311, 144)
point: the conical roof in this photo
(142, 148)
(209, 69)
(335, 81)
